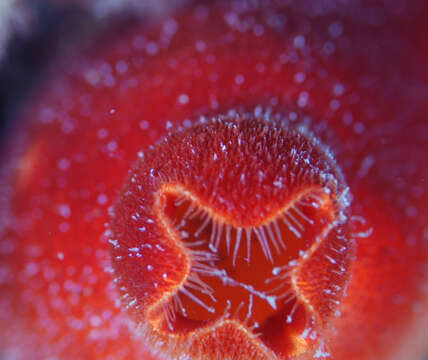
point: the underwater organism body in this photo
(242, 181)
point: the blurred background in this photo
(32, 32)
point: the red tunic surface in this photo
(355, 83)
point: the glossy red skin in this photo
(387, 296)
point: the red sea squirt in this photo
(240, 182)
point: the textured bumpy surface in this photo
(244, 181)
(193, 199)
